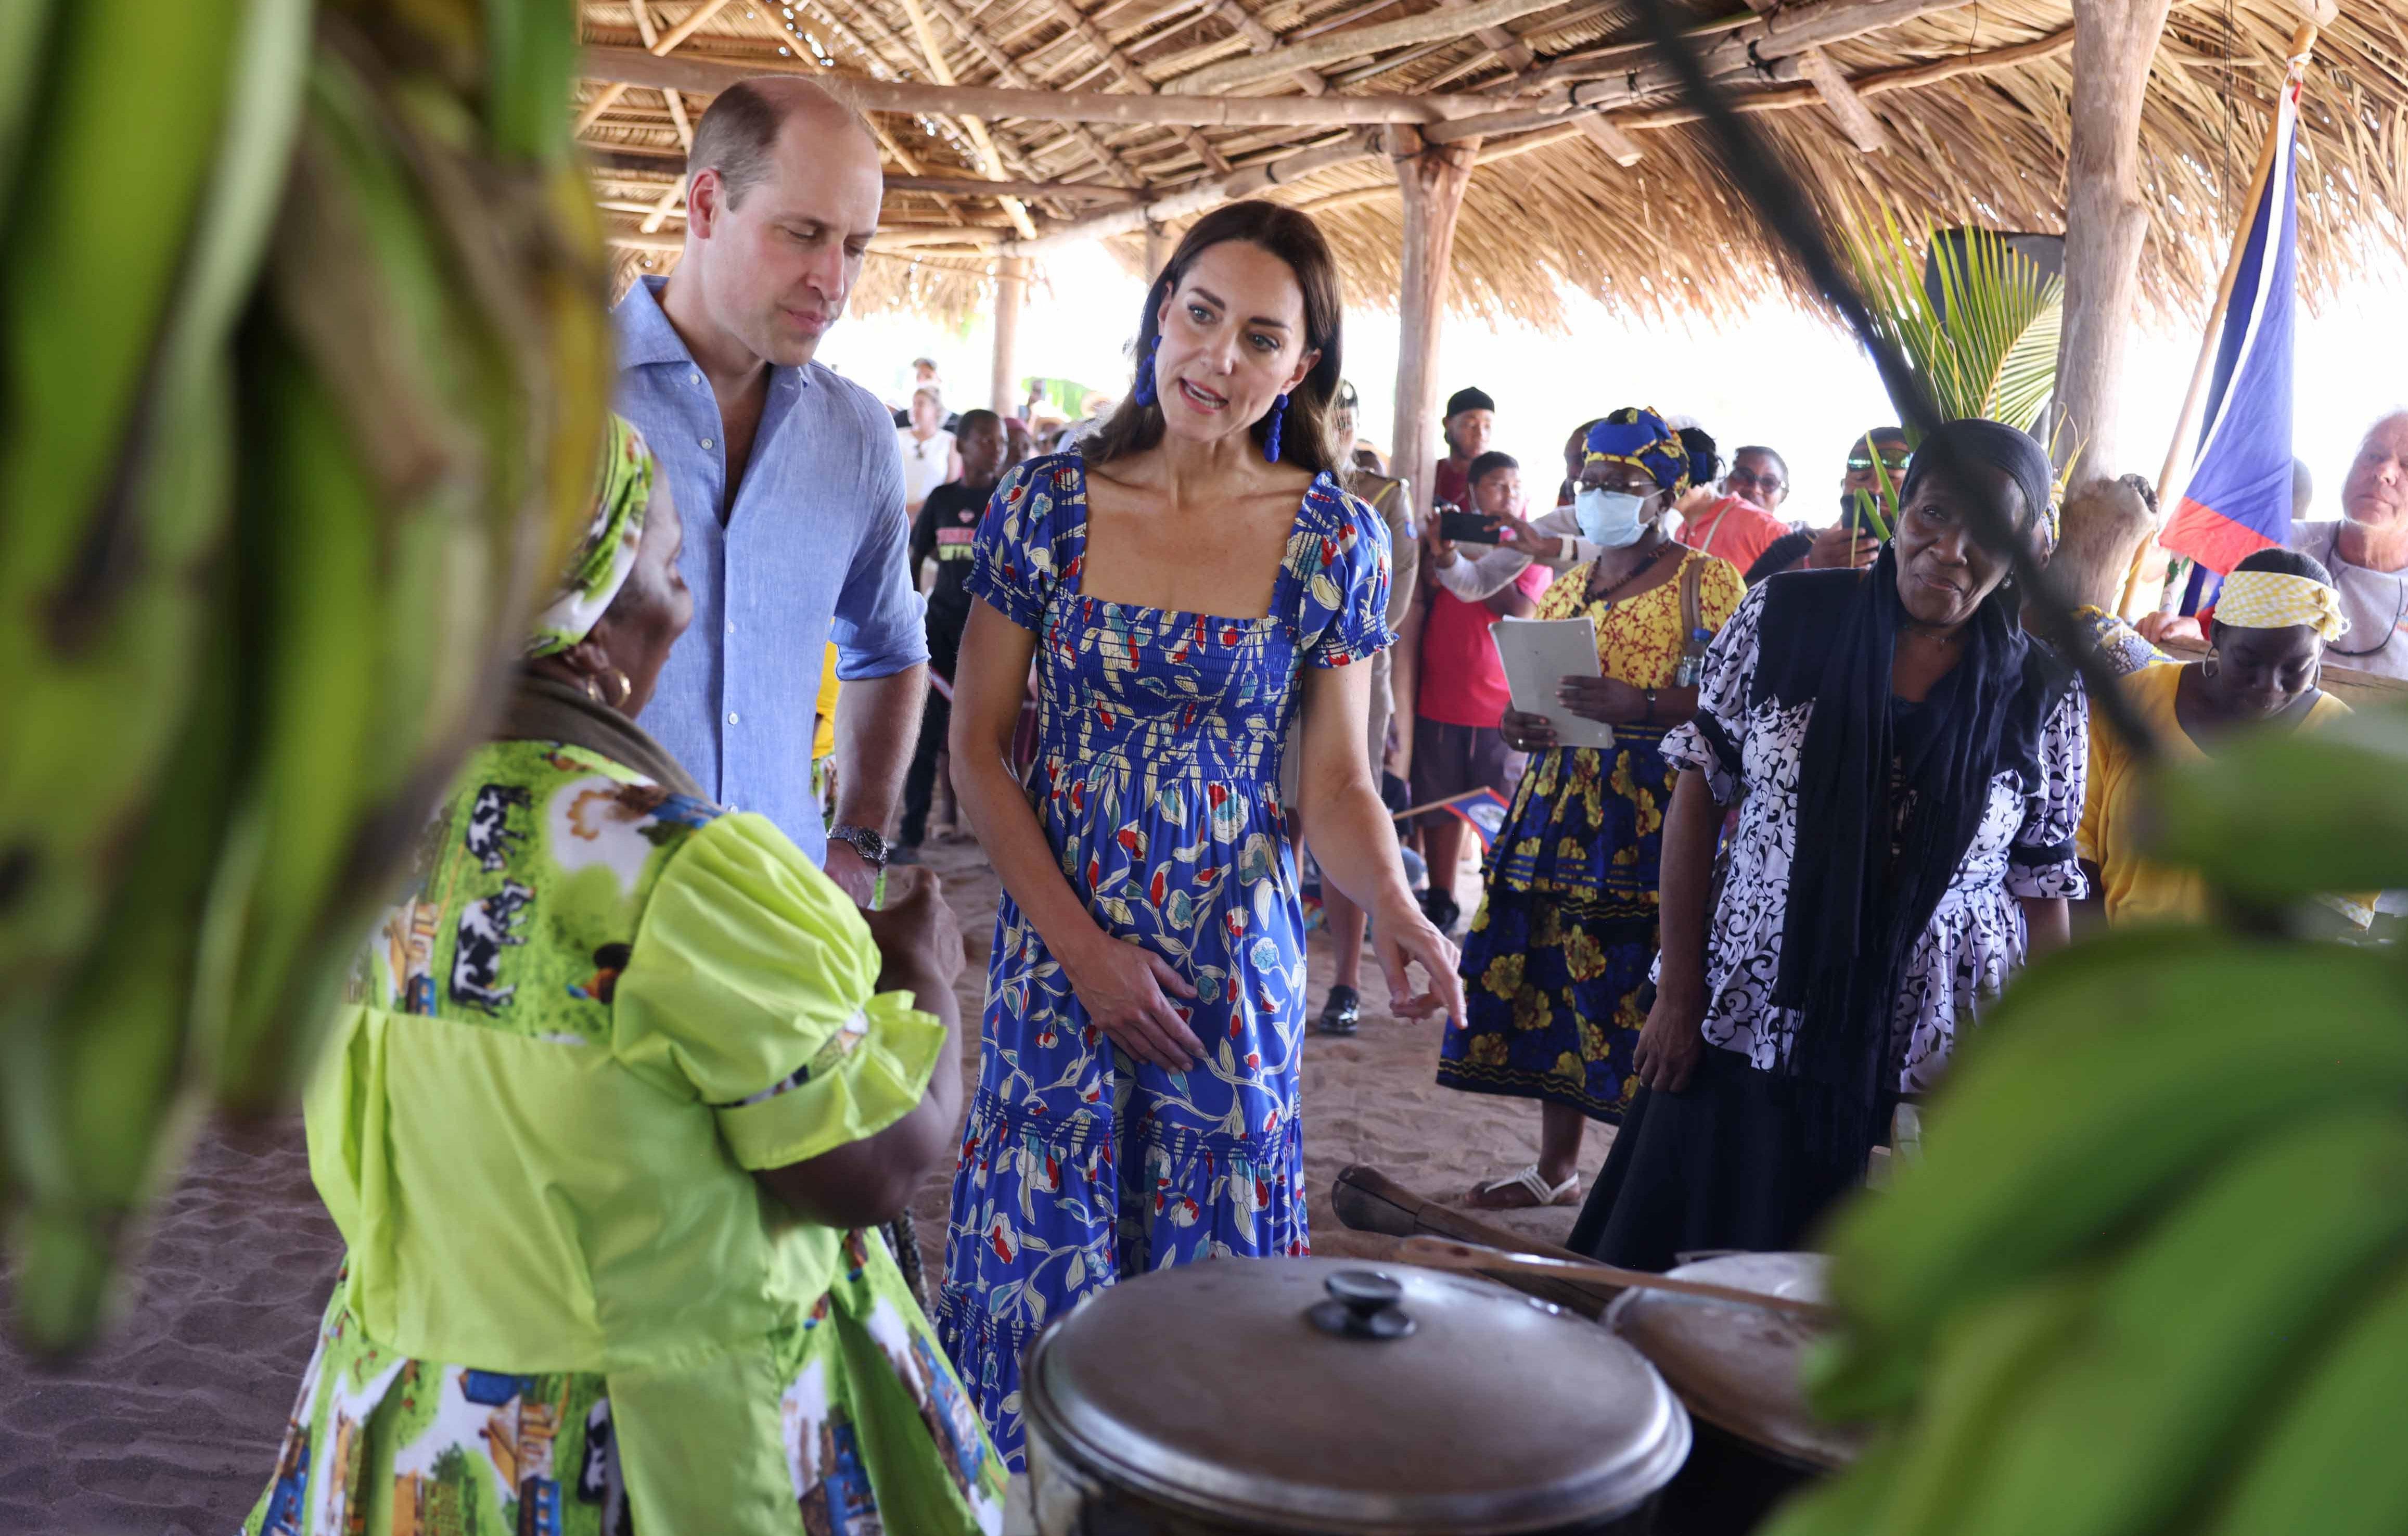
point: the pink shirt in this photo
(1733, 529)
(1463, 683)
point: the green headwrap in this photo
(607, 551)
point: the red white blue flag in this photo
(1483, 811)
(2239, 498)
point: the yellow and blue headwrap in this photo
(1635, 435)
(2276, 599)
(607, 553)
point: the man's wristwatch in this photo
(869, 844)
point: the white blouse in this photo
(927, 462)
(2024, 847)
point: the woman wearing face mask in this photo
(1908, 773)
(2273, 618)
(1559, 951)
(1198, 577)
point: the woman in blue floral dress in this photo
(1186, 588)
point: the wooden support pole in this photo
(709, 77)
(2105, 220)
(1157, 251)
(1010, 297)
(1432, 177)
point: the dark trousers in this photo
(920, 783)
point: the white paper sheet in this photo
(1538, 653)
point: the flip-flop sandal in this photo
(1528, 1180)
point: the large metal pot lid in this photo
(1736, 1366)
(1338, 1395)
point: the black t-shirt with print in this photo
(945, 528)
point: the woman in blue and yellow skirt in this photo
(1559, 953)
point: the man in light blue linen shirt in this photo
(787, 474)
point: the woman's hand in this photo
(2158, 628)
(1401, 935)
(1672, 1040)
(1839, 548)
(1610, 700)
(1123, 988)
(1526, 732)
(918, 937)
(1519, 534)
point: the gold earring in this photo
(2210, 665)
(621, 685)
(592, 689)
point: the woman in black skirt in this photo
(1909, 772)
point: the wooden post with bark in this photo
(1432, 177)
(2105, 222)
(1010, 296)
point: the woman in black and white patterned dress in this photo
(1909, 772)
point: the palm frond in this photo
(1986, 343)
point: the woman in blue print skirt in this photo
(1184, 588)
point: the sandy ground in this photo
(170, 1429)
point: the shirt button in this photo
(695, 377)
(731, 626)
(731, 717)
(705, 442)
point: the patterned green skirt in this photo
(878, 1435)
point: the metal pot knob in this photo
(1362, 1305)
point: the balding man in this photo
(788, 476)
(2366, 549)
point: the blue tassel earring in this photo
(1143, 392)
(1279, 420)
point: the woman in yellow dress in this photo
(2275, 614)
(1559, 951)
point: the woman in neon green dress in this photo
(621, 1082)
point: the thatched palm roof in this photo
(1970, 101)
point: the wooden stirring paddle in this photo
(1443, 1254)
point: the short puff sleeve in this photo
(1341, 558)
(2040, 861)
(1710, 742)
(752, 987)
(1015, 554)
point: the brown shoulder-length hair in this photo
(1296, 239)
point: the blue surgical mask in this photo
(1609, 519)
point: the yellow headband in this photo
(2273, 599)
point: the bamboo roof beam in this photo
(971, 123)
(1261, 39)
(1093, 36)
(844, 34)
(1356, 42)
(1500, 44)
(1009, 71)
(1208, 195)
(708, 76)
(666, 42)
(1856, 120)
